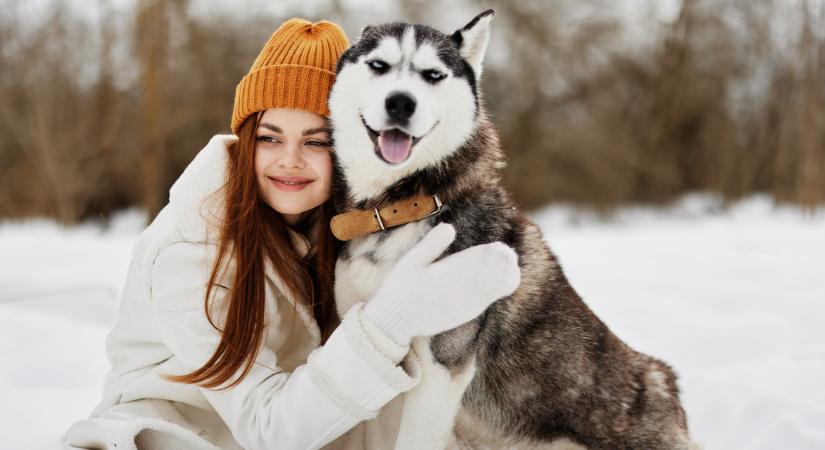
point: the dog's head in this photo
(405, 98)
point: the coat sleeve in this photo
(343, 382)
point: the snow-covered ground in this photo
(734, 300)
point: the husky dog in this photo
(537, 369)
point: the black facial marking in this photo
(369, 40)
(432, 76)
(447, 50)
(378, 66)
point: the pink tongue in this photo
(394, 145)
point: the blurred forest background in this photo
(103, 103)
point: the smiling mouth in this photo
(291, 180)
(290, 184)
(392, 145)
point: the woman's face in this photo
(293, 165)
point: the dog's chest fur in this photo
(364, 262)
(429, 408)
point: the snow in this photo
(733, 299)
(59, 299)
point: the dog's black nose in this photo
(400, 107)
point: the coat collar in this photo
(196, 200)
(197, 196)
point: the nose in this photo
(291, 157)
(400, 107)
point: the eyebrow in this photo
(307, 132)
(322, 129)
(271, 127)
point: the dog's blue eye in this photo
(378, 66)
(433, 76)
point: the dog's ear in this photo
(473, 38)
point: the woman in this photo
(227, 334)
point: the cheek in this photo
(322, 165)
(260, 161)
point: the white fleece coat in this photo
(296, 396)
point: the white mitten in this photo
(422, 298)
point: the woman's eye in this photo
(322, 144)
(433, 76)
(269, 139)
(378, 66)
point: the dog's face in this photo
(405, 98)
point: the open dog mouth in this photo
(392, 145)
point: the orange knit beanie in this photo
(295, 69)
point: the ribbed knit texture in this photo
(392, 319)
(295, 69)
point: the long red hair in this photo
(250, 233)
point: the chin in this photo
(295, 209)
(290, 210)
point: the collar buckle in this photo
(438, 206)
(378, 217)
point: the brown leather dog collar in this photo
(360, 222)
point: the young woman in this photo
(227, 334)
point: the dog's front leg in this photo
(430, 408)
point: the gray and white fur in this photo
(536, 370)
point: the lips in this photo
(286, 183)
(392, 145)
(292, 180)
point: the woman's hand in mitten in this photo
(423, 298)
